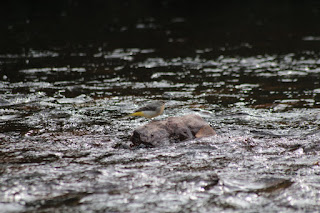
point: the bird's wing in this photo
(149, 107)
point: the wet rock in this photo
(271, 184)
(260, 185)
(171, 130)
(69, 199)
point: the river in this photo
(67, 82)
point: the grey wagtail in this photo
(151, 110)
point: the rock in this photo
(205, 132)
(171, 130)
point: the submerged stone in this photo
(171, 130)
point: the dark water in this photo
(64, 143)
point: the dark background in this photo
(267, 25)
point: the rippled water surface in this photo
(65, 143)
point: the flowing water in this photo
(65, 143)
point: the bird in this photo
(151, 110)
